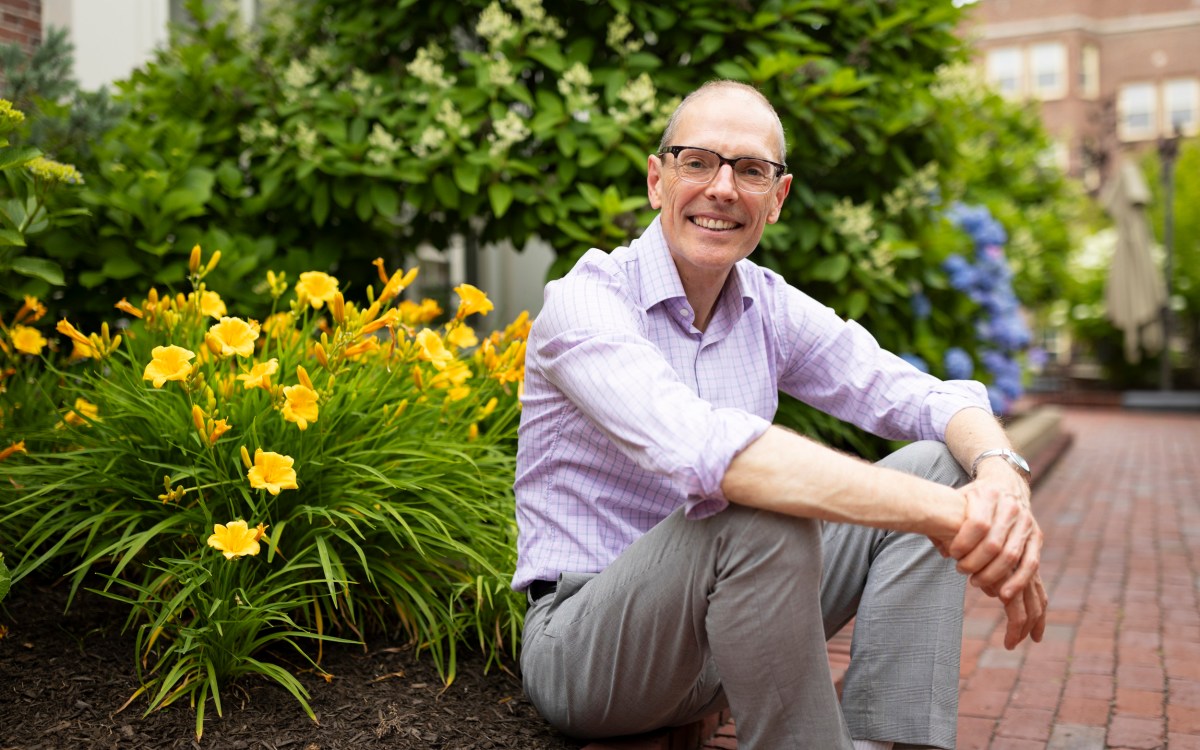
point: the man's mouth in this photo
(706, 222)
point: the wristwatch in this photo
(1014, 459)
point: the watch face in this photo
(1017, 460)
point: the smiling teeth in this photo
(713, 223)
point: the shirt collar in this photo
(659, 278)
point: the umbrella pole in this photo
(1168, 148)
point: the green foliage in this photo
(1186, 255)
(378, 496)
(28, 181)
(64, 120)
(5, 579)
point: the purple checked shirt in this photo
(630, 412)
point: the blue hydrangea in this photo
(987, 281)
(958, 364)
(915, 361)
(921, 307)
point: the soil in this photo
(64, 677)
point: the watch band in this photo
(1012, 457)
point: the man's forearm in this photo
(787, 473)
(973, 431)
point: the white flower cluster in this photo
(854, 222)
(427, 67)
(573, 85)
(450, 118)
(305, 140)
(499, 71)
(915, 192)
(960, 81)
(298, 76)
(618, 33)
(430, 141)
(383, 146)
(496, 26)
(639, 98)
(507, 130)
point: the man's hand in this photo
(999, 545)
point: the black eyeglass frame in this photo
(780, 169)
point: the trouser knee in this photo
(930, 460)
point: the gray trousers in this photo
(734, 610)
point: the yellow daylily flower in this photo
(211, 304)
(272, 472)
(219, 428)
(473, 301)
(260, 375)
(32, 310)
(462, 336)
(316, 288)
(27, 340)
(412, 313)
(235, 539)
(433, 350)
(17, 447)
(83, 408)
(301, 405)
(169, 363)
(232, 336)
(127, 307)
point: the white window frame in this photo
(1144, 96)
(1089, 72)
(1003, 64)
(1181, 94)
(1048, 70)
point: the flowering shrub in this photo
(334, 469)
(987, 280)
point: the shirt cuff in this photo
(738, 430)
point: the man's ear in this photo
(781, 192)
(654, 181)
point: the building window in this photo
(1048, 68)
(1138, 112)
(1089, 72)
(1004, 70)
(1180, 104)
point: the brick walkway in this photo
(1120, 664)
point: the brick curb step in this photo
(1037, 435)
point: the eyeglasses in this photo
(699, 165)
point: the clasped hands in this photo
(999, 546)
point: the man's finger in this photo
(1006, 513)
(1014, 610)
(975, 525)
(1009, 562)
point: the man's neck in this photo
(702, 291)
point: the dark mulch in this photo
(64, 676)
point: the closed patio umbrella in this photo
(1135, 292)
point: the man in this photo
(680, 553)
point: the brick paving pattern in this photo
(1120, 664)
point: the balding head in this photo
(732, 89)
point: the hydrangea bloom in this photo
(987, 280)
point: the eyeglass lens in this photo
(698, 165)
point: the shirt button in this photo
(685, 313)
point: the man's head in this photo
(711, 225)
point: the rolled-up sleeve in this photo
(838, 367)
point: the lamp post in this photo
(1168, 149)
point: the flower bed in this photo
(336, 469)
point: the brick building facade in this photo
(1110, 75)
(21, 22)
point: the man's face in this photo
(709, 227)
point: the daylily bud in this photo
(194, 261)
(322, 358)
(246, 458)
(213, 261)
(304, 379)
(198, 418)
(339, 308)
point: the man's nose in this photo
(723, 185)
